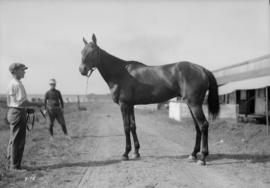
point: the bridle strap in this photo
(98, 62)
(92, 70)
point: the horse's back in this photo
(164, 75)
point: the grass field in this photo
(3, 112)
(4, 127)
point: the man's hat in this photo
(52, 81)
(16, 66)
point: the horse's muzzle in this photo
(83, 70)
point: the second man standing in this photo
(54, 106)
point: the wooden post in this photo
(78, 101)
(266, 113)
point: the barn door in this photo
(246, 101)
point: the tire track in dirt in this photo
(107, 153)
(97, 154)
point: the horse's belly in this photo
(151, 95)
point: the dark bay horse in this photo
(132, 83)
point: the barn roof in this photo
(253, 83)
(251, 74)
(253, 68)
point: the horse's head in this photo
(90, 56)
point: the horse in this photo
(133, 83)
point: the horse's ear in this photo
(94, 39)
(85, 42)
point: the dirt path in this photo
(93, 158)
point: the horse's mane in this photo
(135, 63)
(123, 62)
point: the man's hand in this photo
(45, 112)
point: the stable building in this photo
(246, 86)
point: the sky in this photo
(47, 35)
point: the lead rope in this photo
(86, 88)
(88, 76)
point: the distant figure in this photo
(17, 116)
(54, 106)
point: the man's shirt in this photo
(16, 93)
(53, 98)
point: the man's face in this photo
(20, 72)
(52, 86)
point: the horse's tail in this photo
(213, 99)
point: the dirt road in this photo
(92, 159)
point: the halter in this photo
(98, 62)
(92, 70)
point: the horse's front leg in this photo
(134, 134)
(125, 110)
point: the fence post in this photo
(266, 112)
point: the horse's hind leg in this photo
(203, 126)
(125, 110)
(197, 146)
(134, 134)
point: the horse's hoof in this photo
(125, 158)
(136, 156)
(192, 158)
(201, 163)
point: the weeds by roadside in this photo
(3, 162)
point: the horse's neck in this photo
(110, 67)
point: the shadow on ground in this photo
(253, 158)
(77, 164)
(178, 157)
(239, 158)
(95, 136)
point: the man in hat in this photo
(17, 116)
(54, 105)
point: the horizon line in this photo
(65, 94)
